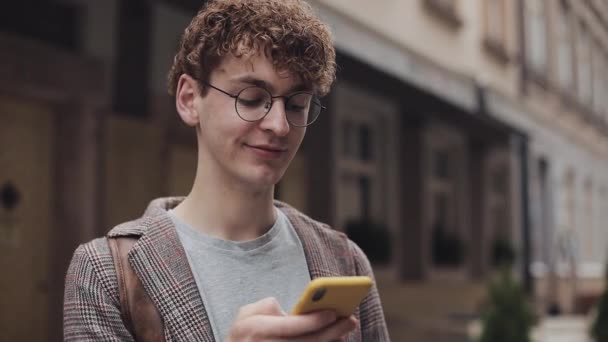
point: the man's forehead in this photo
(251, 62)
(257, 69)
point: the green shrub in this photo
(507, 317)
(599, 328)
(503, 252)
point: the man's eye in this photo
(296, 108)
(253, 102)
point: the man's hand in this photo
(265, 321)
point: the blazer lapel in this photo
(160, 261)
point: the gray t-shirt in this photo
(231, 274)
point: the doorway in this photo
(26, 141)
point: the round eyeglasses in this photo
(254, 103)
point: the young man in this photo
(227, 262)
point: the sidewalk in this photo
(435, 310)
(551, 329)
(562, 329)
(446, 310)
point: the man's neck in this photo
(227, 210)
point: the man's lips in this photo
(270, 148)
(267, 151)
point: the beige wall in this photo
(564, 292)
(182, 169)
(413, 27)
(294, 186)
(26, 137)
(558, 132)
(134, 167)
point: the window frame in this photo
(448, 13)
(540, 69)
(565, 37)
(583, 62)
(496, 44)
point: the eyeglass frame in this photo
(272, 98)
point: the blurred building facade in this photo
(453, 125)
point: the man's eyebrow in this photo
(250, 80)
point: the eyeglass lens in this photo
(254, 103)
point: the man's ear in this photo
(185, 96)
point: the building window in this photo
(441, 165)
(54, 23)
(605, 87)
(536, 35)
(495, 40)
(565, 70)
(447, 4)
(365, 193)
(568, 195)
(499, 182)
(347, 139)
(444, 217)
(447, 10)
(358, 141)
(366, 145)
(497, 201)
(499, 220)
(583, 62)
(360, 183)
(598, 79)
(495, 20)
(442, 189)
(542, 237)
(131, 93)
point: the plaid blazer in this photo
(92, 305)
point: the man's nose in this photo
(276, 119)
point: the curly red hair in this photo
(287, 31)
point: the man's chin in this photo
(264, 180)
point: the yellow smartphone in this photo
(340, 294)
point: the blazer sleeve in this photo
(373, 324)
(91, 309)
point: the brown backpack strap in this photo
(139, 314)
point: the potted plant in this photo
(507, 316)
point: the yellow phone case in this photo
(341, 294)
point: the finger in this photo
(341, 339)
(335, 331)
(291, 326)
(267, 306)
